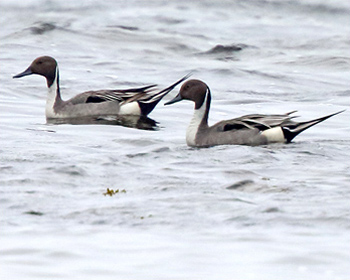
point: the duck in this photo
(133, 101)
(252, 130)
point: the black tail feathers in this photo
(147, 105)
(292, 130)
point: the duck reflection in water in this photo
(132, 121)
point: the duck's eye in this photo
(39, 62)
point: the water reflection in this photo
(138, 122)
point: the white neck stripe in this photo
(51, 98)
(197, 118)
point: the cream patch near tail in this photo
(274, 135)
(131, 108)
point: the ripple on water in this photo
(70, 170)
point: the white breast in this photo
(51, 99)
(192, 129)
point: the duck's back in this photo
(216, 135)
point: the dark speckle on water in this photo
(226, 49)
(240, 184)
(34, 213)
(42, 27)
(129, 28)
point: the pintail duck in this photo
(134, 101)
(255, 129)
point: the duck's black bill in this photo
(177, 98)
(25, 73)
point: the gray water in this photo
(227, 212)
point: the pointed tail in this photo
(292, 130)
(147, 104)
(158, 96)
